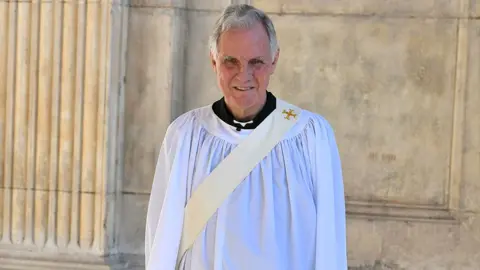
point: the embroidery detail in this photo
(289, 113)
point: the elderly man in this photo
(251, 181)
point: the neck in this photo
(244, 115)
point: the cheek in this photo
(261, 76)
(225, 76)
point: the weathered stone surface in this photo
(200, 82)
(396, 8)
(208, 5)
(132, 223)
(471, 177)
(410, 245)
(55, 162)
(157, 3)
(386, 85)
(414, 245)
(475, 8)
(153, 98)
(148, 95)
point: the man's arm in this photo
(164, 222)
(157, 196)
(331, 250)
(339, 199)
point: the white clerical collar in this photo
(243, 124)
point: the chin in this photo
(245, 104)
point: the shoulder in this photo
(319, 120)
(316, 118)
(322, 127)
(186, 122)
(320, 130)
(312, 123)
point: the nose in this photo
(244, 74)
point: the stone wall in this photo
(87, 89)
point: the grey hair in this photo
(242, 16)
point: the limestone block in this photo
(475, 8)
(387, 87)
(363, 235)
(132, 223)
(201, 85)
(216, 5)
(471, 176)
(157, 3)
(396, 8)
(406, 245)
(153, 89)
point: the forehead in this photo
(245, 43)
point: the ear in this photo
(275, 61)
(213, 62)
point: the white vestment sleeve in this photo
(167, 199)
(331, 253)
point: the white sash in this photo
(217, 186)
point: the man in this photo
(249, 182)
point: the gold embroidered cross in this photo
(289, 114)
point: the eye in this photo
(256, 62)
(230, 61)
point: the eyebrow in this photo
(231, 58)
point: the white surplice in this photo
(288, 214)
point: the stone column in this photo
(59, 82)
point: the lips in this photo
(242, 88)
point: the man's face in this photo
(243, 67)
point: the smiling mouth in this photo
(243, 88)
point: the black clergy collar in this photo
(220, 109)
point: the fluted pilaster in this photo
(57, 91)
